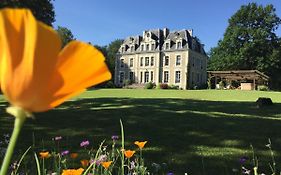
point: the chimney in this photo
(143, 34)
(165, 32)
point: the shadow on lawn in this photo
(186, 134)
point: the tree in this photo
(112, 50)
(43, 10)
(65, 35)
(109, 53)
(249, 41)
(103, 50)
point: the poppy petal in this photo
(80, 66)
(28, 58)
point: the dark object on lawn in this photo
(262, 101)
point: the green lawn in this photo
(199, 132)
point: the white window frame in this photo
(152, 61)
(123, 79)
(146, 61)
(141, 61)
(164, 77)
(165, 60)
(177, 60)
(146, 77)
(131, 64)
(177, 76)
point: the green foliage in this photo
(43, 10)
(65, 35)
(149, 85)
(249, 42)
(127, 82)
(263, 88)
(173, 86)
(110, 52)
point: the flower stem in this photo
(9, 153)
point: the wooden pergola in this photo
(238, 75)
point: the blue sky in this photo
(102, 21)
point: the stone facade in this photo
(160, 56)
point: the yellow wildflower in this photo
(129, 153)
(140, 144)
(35, 74)
(106, 165)
(45, 155)
(73, 171)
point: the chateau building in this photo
(160, 56)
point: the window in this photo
(141, 77)
(122, 49)
(132, 48)
(131, 62)
(178, 60)
(166, 76)
(152, 61)
(178, 77)
(167, 46)
(166, 61)
(121, 76)
(122, 63)
(147, 47)
(151, 76)
(142, 47)
(141, 61)
(146, 77)
(132, 77)
(152, 46)
(146, 61)
(179, 45)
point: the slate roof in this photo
(188, 41)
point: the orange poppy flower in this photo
(84, 163)
(44, 155)
(140, 144)
(73, 171)
(129, 153)
(106, 164)
(73, 155)
(35, 74)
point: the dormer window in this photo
(132, 48)
(147, 47)
(142, 47)
(167, 46)
(122, 49)
(147, 35)
(179, 46)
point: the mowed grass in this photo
(194, 131)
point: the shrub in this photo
(127, 82)
(164, 86)
(263, 88)
(173, 87)
(149, 85)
